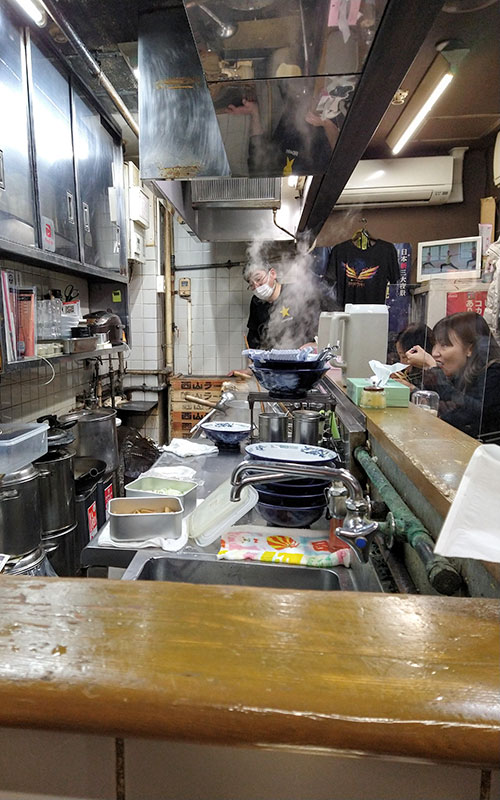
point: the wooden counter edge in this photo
(253, 667)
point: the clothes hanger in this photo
(361, 238)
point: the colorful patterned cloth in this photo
(282, 545)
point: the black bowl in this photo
(289, 517)
(299, 487)
(290, 366)
(288, 383)
(291, 501)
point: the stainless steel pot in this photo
(20, 512)
(57, 491)
(95, 435)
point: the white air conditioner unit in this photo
(384, 183)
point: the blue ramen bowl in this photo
(303, 487)
(286, 383)
(228, 433)
(289, 366)
(292, 501)
(290, 517)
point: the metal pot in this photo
(35, 563)
(307, 426)
(57, 491)
(20, 512)
(95, 435)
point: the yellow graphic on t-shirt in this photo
(285, 311)
(287, 169)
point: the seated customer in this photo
(415, 334)
(464, 369)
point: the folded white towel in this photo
(185, 447)
(472, 528)
(159, 542)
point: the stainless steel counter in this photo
(214, 470)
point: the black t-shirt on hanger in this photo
(361, 276)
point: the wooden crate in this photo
(183, 413)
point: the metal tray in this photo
(85, 344)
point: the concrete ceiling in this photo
(469, 110)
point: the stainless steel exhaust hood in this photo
(248, 88)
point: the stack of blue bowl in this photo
(294, 503)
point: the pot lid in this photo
(58, 437)
(26, 473)
(89, 415)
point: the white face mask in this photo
(264, 291)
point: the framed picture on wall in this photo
(449, 258)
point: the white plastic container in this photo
(20, 444)
(217, 513)
(166, 487)
(125, 525)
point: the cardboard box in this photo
(396, 394)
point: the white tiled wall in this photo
(220, 303)
(26, 392)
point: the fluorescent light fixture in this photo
(437, 78)
(34, 11)
(292, 181)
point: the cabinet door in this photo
(54, 154)
(16, 188)
(99, 185)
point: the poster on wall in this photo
(465, 301)
(398, 298)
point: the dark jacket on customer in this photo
(475, 409)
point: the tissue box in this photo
(396, 394)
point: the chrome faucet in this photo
(357, 530)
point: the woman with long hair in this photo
(464, 369)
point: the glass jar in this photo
(373, 397)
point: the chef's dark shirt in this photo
(289, 322)
(361, 276)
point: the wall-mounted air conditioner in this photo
(384, 183)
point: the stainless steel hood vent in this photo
(237, 193)
(248, 88)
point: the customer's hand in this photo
(418, 357)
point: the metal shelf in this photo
(25, 363)
(39, 258)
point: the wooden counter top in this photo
(409, 676)
(432, 453)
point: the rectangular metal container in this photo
(162, 487)
(125, 525)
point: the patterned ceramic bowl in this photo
(286, 383)
(226, 433)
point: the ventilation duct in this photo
(237, 193)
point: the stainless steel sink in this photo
(204, 568)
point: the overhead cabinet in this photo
(54, 155)
(17, 221)
(62, 189)
(99, 175)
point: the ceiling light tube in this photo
(434, 83)
(34, 11)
